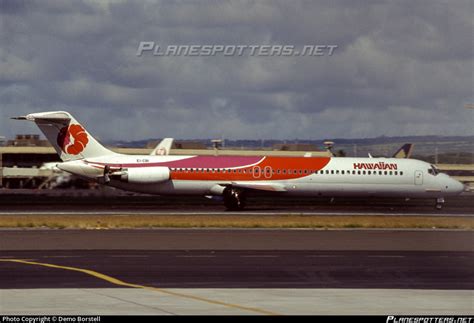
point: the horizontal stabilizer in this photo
(68, 137)
(52, 116)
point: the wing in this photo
(263, 186)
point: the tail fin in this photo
(70, 139)
(163, 148)
(404, 151)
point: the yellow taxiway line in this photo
(119, 282)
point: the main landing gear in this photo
(234, 199)
(439, 203)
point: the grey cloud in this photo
(401, 67)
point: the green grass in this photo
(232, 221)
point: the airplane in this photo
(404, 151)
(163, 148)
(233, 178)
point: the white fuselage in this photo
(388, 177)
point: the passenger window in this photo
(380, 172)
(342, 172)
(358, 172)
(369, 172)
(390, 173)
(385, 172)
(401, 173)
(363, 172)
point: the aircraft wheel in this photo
(439, 203)
(234, 199)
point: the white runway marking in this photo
(128, 256)
(323, 256)
(66, 256)
(383, 256)
(197, 256)
(259, 256)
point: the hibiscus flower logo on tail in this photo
(72, 139)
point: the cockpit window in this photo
(433, 170)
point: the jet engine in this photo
(145, 175)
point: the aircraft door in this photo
(418, 177)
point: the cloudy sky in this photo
(401, 68)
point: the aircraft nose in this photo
(457, 187)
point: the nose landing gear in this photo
(234, 199)
(439, 203)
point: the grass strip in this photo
(123, 221)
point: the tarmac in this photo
(236, 272)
